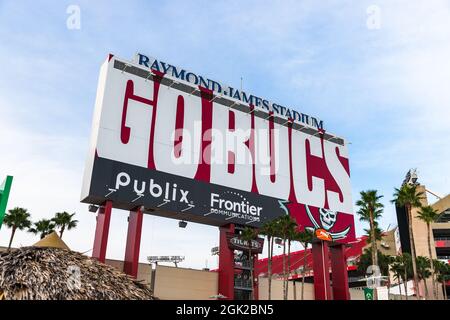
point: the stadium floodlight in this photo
(172, 259)
(214, 251)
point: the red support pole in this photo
(321, 269)
(339, 273)
(101, 232)
(226, 264)
(131, 261)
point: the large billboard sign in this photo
(185, 150)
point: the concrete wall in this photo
(420, 233)
(357, 294)
(294, 291)
(420, 230)
(442, 204)
(389, 239)
(180, 283)
(144, 269)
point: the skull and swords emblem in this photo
(327, 220)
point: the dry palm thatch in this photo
(41, 273)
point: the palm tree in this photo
(365, 261)
(423, 271)
(378, 234)
(250, 234)
(269, 230)
(43, 227)
(383, 260)
(428, 215)
(285, 226)
(16, 219)
(63, 220)
(291, 236)
(370, 209)
(406, 261)
(397, 269)
(408, 196)
(305, 237)
(442, 274)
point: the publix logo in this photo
(166, 191)
(234, 205)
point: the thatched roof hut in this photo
(43, 272)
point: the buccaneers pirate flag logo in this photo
(322, 225)
(327, 220)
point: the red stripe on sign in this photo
(231, 160)
(157, 77)
(292, 197)
(204, 170)
(129, 94)
(272, 147)
(231, 120)
(251, 146)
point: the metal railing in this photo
(243, 264)
(442, 238)
(243, 283)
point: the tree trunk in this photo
(445, 289)
(389, 285)
(250, 258)
(11, 238)
(269, 266)
(405, 283)
(437, 284)
(295, 290)
(399, 286)
(413, 252)
(288, 268)
(435, 296)
(62, 231)
(304, 270)
(426, 288)
(284, 269)
(374, 250)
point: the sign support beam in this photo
(321, 268)
(101, 232)
(131, 261)
(226, 264)
(339, 274)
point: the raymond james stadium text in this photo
(214, 86)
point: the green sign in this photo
(368, 293)
(5, 187)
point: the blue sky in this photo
(386, 90)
